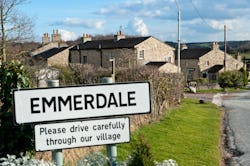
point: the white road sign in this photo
(80, 134)
(65, 103)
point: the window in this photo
(84, 60)
(207, 63)
(204, 75)
(141, 54)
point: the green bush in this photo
(141, 154)
(231, 79)
(13, 139)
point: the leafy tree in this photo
(13, 139)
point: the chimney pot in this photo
(86, 37)
(119, 35)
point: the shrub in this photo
(23, 160)
(66, 75)
(13, 139)
(245, 76)
(93, 159)
(230, 79)
(202, 81)
(141, 154)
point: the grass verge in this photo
(189, 134)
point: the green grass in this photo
(189, 134)
(247, 55)
(221, 90)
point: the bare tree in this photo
(15, 27)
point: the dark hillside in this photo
(232, 46)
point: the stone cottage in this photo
(53, 52)
(207, 62)
(128, 52)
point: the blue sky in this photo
(201, 20)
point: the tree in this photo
(15, 27)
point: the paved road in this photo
(237, 108)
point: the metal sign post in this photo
(57, 155)
(111, 149)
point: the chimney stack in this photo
(56, 37)
(215, 46)
(45, 39)
(184, 46)
(119, 36)
(86, 37)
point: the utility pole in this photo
(225, 47)
(179, 38)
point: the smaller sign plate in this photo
(81, 133)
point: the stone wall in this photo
(155, 50)
(190, 65)
(216, 57)
(62, 58)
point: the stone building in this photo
(53, 52)
(128, 52)
(54, 56)
(207, 62)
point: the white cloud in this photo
(67, 35)
(138, 27)
(77, 22)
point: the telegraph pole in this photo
(225, 47)
(179, 38)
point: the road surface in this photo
(237, 113)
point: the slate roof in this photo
(49, 53)
(194, 53)
(215, 69)
(111, 43)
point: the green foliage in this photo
(13, 139)
(141, 154)
(245, 76)
(229, 79)
(13, 75)
(202, 81)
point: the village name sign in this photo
(64, 103)
(73, 105)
